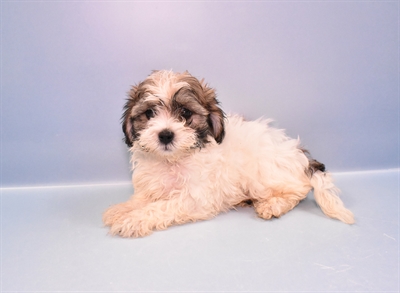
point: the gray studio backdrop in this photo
(325, 71)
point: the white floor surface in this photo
(53, 239)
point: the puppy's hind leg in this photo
(277, 205)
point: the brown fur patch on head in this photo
(134, 118)
(207, 98)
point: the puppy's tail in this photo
(326, 196)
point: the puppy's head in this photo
(171, 114)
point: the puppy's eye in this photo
(186, 113)
(149, 113)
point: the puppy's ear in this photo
(207, 98)
(127, 119)
(217, 116)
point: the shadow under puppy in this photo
(191, 163)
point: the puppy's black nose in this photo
(166, 136)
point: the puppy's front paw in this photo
(135, 219)
(131, 225)
(115, 212)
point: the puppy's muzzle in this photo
(166, 136)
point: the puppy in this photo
(191, 162)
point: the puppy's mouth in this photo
(161, 147)
(166, 148)
(169, 149)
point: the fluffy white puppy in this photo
(191, 163)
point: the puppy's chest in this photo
(165, 178)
